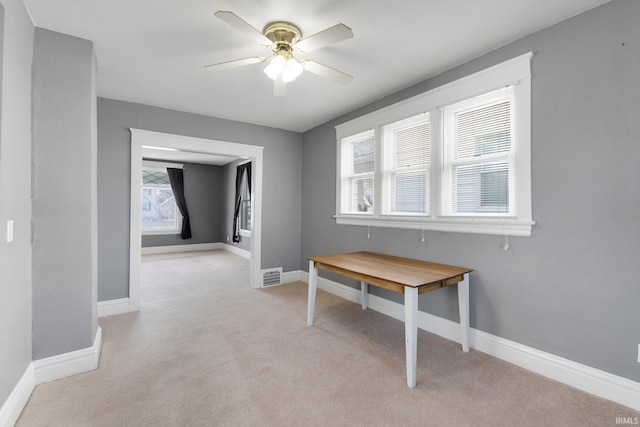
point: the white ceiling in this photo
(174, 155)
(154, 51)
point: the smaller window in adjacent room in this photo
(160, 214)
(245, 205)
(242, 205)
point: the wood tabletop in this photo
(391, 272)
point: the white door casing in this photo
(196, 145)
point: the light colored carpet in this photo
(206, 350)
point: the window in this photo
(456, 158)
(359, 167)
(160, 214)
(406, 147)
(245, 207)
(479, 156)
(242, 203)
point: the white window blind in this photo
(407, 173)
(480, 155)
(359, 153)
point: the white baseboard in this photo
(45, 370)
(586, 378)
(123, 305)
(15, 403)
(291, 276)
(181, 248)
(67, 364)
(196, 247)
(236, 250)
(114, 306)
(591, 380)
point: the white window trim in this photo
(348, 175)
(243, 231)
(162, 166)
(514, 97)
(514, 71)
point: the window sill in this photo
(245, 233)
(500, 227)
(160, 232)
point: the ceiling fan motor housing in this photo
(283, 35)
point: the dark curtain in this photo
(241, 171)
(176, 178)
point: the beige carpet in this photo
(206, 350)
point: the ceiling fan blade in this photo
(239, 24)
(279, 87)
(236, 63)
(335, 34)
(327, 72)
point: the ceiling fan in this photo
(283, 39)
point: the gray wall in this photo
(570, 289)
(281, 193)
(229, 199)
(203, 190)
(15, 197)
(1, 61)
(63, 189)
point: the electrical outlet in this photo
(227, 238)
(638, 353)
(9, 230)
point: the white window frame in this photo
(450, 162)
(348, 176)
(244, 185)
(162, 166)
(389, 171)
(515, 72)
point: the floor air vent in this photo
(271, 277)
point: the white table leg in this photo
(313, 282)
(364, 295)
(463, 304)
(411, 332)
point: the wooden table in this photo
(402, 275)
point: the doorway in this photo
(143, 138)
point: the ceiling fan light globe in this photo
(292, 70)
(275, 67)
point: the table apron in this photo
(440, 284)
(360, 277)
(387, 284)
